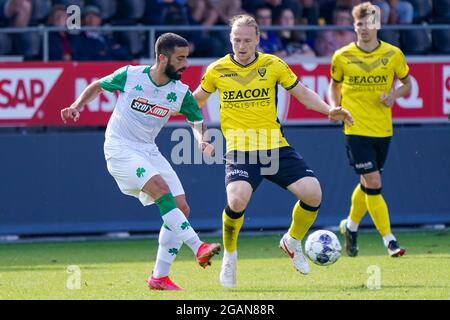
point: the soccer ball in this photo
(323, 247)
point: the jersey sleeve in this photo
(208, 81)
(115, 81)
(401, 68)
(287, 78)
(190, 108)
(336, 69)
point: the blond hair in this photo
(363, 10)
(244, 20)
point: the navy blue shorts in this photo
(367, 154)
(282, 166)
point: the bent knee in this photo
(312, 195)
(372, 181)
(237, 204)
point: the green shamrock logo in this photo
(140, 172)
(185, 226)
(173, 251)
(138, 88)
(172, 97)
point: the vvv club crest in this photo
(262, 72)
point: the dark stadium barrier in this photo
(57, 183)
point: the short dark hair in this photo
(166, 43)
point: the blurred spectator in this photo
(227, 9)
(170, 12)
(395, 11)
(203, 12)
(95, 45)
(327, 8)
(292, 41)
(60, 43)
(329, 41)
(308, 11)
(275, 6)
(206, 43)
(269, 42)
(167, 12)
(17, 12)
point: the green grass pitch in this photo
(117, 269)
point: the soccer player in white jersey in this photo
(147, 98)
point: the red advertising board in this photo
(34, 93)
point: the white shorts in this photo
(132, 167)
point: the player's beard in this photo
(172, 73)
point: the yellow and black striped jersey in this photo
(248, 100)
(365, 77)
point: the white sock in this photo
(388, 238)
(178, 223)
(161, 269)
(229, 255)
(169, 246)
(194, 244)
(292, 242)
(352, 226)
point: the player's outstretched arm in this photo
(312, 101)
(201, 96)
(90, 93)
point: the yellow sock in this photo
(303, 216)
(231, 228)
(379, 212)
(359, 207)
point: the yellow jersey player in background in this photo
(247, 82)
(363, 75)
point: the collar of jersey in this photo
(376, 48)
(241, 65)
(147, 71)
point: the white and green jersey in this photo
(143, 107)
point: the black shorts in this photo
(282, 166)
(367, 154)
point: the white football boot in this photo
(228, 272)
(293, 248)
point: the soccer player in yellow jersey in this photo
(247, 82)
(363, 74)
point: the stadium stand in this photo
(441, 10)
(415, 41)
(108, 8)
(206, 13)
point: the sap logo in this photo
(22, 91)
